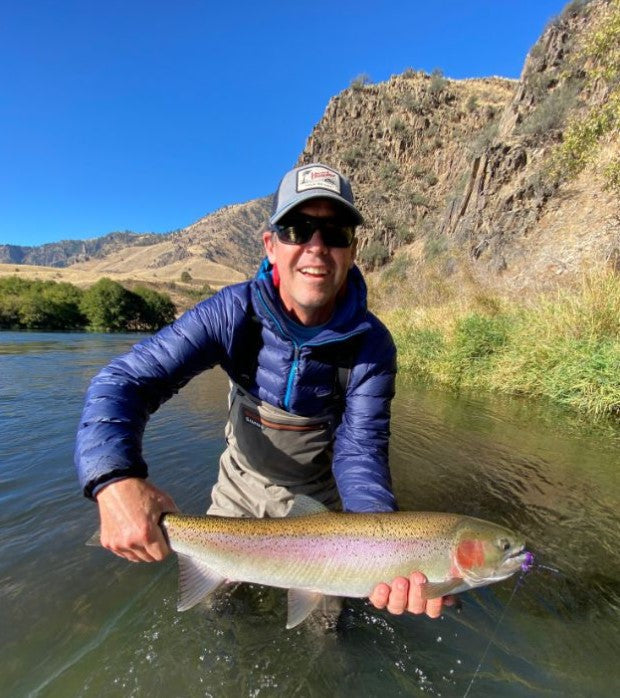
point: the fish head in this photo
(486, 553)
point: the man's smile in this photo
(314, 271)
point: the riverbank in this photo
(564, 347)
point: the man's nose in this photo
(316, 241)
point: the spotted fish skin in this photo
(339, 554)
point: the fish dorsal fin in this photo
(301, 603)
(196, 580)
(433, 590)
(306, 506)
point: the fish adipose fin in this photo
(196, 580)
(300, 605)
(433, 590)
(306, 506)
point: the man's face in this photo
(311, 274)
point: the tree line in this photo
(106, 306)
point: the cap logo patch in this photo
(318, 178)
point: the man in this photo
(312, 378)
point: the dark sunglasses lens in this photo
(338, 235)
(294, 233)
(300, 231)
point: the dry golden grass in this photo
(83, 275)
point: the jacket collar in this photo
(349, 318)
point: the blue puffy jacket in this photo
(299, 379)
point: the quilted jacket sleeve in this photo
(125, 393)
(360, 463)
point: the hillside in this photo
(460, 181)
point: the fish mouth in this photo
(520, 558)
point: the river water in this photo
(76, 621)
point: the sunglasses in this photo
(299, 229)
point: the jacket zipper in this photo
(295, 364)
(291, 378)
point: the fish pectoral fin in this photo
(433, 590)
(196, 580)
(300, 605)
(95, 539)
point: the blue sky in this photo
(146, 115)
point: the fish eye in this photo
(503, 544)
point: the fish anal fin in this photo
(433, 590)
(196, 580)
(306, 506)
(300, 605)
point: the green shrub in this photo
(411, 103)
(484, 138)
(397, 270)
(359, 82)
(550, 114)
(611, 174)
(157, 309)
(434, 246)
(472, 103)
(31, 304)
(398, 125)
(374, 255)
(438, 82)
(418, 199)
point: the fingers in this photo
(130, 510)
(138, 546)
(408, 595)
(399, 596)
(417, 603)
(380, 595)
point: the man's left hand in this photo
(406, 595)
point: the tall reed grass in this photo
(564, 347)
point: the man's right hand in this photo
(130, 510)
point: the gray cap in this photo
(313, 181)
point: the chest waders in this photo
(271, 455)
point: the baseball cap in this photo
(313, 181)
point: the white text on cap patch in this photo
(318, 178)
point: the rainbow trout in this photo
(313, 552)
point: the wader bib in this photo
(272, 455)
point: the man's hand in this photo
(130, 510)
(406, 595)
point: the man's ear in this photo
(269, 243)
(353, 253)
